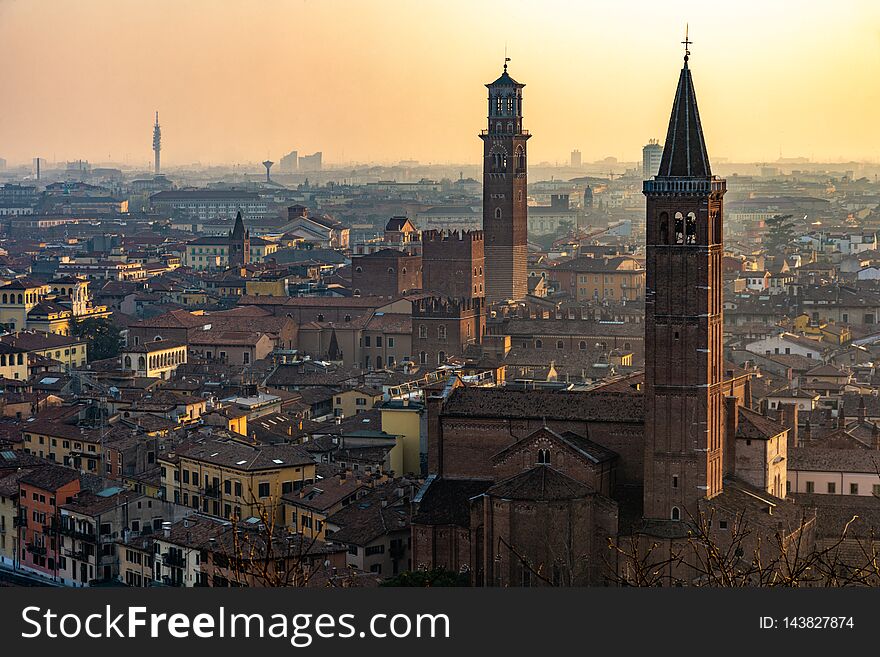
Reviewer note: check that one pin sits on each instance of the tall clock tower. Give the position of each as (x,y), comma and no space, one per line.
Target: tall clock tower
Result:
(684,412)
(505,210)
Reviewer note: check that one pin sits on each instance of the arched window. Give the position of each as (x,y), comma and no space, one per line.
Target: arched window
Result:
(498,127)
(441,358)
(627,346)
(5,299)
(539,344)
(560,344)
(142,363)
(664,228)
(676,514)
(391,270)
(498,213)
(357,292)
(423,332)
(679,228)
(423,358)
(510,126)
(359,270)
(128,362)
(158,338)
(20,299)
(544,457)
(691,228)
(582,345)
(520,159)
(403,270)
(137,341)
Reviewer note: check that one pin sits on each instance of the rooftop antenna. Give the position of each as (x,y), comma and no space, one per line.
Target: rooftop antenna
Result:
(686,43)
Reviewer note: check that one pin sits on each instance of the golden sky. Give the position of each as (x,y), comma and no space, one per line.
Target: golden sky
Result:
(383,80)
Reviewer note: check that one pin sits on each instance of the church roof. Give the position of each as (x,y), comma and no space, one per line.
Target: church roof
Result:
(541,483)
(684,153)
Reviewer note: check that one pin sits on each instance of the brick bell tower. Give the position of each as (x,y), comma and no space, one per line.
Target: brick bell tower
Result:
(505,210)
(684,405)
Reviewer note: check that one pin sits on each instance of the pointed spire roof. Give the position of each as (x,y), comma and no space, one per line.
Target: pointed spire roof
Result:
(684,153)
(238,230)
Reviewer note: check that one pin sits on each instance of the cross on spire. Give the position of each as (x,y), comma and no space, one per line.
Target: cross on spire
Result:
(687,42)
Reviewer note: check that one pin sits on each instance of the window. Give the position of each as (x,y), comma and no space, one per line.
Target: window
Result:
(722,524)
(423,358)
(811,487)
(366,340)
(423,332)
(227,488)
(378,340)
(832,487)
(264,489)
(582,345)
(544,457)
(675,481)
(853,489)
(560,344)
(676,513)
(390,342)
(374,549)
(441,332)
(539,344)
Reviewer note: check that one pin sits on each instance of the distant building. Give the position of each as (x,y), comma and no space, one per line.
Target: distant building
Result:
(554,218)
(652,153)
(311,162)
(575,158)
(289,162)
(217,252)
(209,204)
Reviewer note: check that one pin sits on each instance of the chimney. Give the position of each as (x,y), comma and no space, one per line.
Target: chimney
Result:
(166,529)
(789,417)
(731,424)
(861,411)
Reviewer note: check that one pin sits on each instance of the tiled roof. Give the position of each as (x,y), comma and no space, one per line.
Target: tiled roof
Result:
(550,404)
(540,483)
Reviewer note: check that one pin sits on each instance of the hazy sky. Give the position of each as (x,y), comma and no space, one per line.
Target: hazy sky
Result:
(383,80)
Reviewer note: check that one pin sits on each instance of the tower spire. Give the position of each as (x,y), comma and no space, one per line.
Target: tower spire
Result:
(684,153)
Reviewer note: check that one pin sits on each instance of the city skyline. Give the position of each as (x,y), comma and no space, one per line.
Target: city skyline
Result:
(407,82)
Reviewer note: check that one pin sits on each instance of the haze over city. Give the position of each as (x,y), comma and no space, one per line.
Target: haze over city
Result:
(384,81)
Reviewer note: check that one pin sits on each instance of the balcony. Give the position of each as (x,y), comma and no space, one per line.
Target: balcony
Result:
(37,549)
(78,534)
(175,559)
(212,492)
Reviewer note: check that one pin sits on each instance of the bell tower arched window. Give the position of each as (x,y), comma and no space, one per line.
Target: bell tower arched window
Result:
(664,228)
(544,457)
(691,228)
(679,228)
